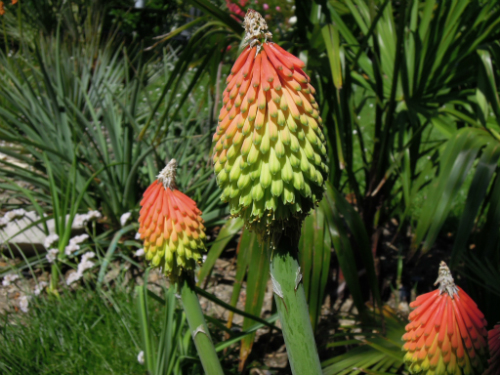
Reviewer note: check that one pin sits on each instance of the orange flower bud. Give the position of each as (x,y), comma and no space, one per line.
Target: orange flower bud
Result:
(2,8)
(171,225)
(446,333)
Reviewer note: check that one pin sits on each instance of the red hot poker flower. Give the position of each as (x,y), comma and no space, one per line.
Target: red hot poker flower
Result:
(446,333)
(269,148)
(494,344)
(171,225)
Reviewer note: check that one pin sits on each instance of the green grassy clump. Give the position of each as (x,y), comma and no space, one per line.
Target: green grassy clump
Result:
(86,332)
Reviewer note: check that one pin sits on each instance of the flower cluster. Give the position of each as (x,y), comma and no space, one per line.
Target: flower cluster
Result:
(171,225)
(81,219)
(74,244)
(494,345)
(7,279)
(11,215)
(2,6)
(235,9)
(50,239)
(269,154)
(52,255)
(23,303)
(40,287)
(447,332)
(84,265)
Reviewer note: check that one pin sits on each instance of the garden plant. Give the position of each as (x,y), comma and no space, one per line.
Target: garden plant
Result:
(325,160)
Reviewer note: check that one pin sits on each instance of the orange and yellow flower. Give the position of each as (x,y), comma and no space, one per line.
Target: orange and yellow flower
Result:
(269,154)
(494,345)
(447,332)
(171,225)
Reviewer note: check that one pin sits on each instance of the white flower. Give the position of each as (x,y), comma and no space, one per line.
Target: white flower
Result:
(140,357)
(73,277)
(292,20)
(93,215)
(71,248)
(49,240)
(124,218)
(52,255)
(40,287)
(78,239)
(88,255)
(79,220)
(73,244)
(139,252)
(137,236)
(11,215)
(7,279)
(85,263)
(23,303)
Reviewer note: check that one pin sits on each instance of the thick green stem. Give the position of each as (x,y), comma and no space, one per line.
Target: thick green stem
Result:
(199,329)
(292,309)
(54,277)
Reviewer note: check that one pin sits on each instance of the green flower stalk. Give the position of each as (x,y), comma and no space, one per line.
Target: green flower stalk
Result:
(173,233)
(270,161)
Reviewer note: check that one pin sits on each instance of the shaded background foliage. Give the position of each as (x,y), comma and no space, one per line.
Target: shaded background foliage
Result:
(408,92)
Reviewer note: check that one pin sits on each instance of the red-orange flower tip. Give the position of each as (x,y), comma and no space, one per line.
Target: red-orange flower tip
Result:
(494,344)
(269,149)
(171,225)
(2,8)
(446,333)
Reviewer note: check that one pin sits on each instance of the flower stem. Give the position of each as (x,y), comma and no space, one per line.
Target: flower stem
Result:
(199,329)
(292,308)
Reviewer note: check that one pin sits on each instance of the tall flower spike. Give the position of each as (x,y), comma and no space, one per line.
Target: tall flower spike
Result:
(171,225)
(494,344)
(447,332)
(269,149)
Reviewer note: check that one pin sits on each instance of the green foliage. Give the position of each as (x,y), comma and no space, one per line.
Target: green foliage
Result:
(78,333)
(408,92)
(377,350)
(314,259)
(165,347)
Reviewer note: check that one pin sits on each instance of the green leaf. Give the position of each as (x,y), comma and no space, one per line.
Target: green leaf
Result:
(257,277)
(332,42)
(477,192)
(227,232)
(456,161)
(314,259)
(343,211)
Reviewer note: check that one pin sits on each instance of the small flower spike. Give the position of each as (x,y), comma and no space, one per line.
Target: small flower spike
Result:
(446,333)
(269,148)
(494,344)
(171,226)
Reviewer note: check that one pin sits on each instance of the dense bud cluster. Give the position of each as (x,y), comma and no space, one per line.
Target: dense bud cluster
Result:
(269,153)
(494,345)
(446,333)
(171,226)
